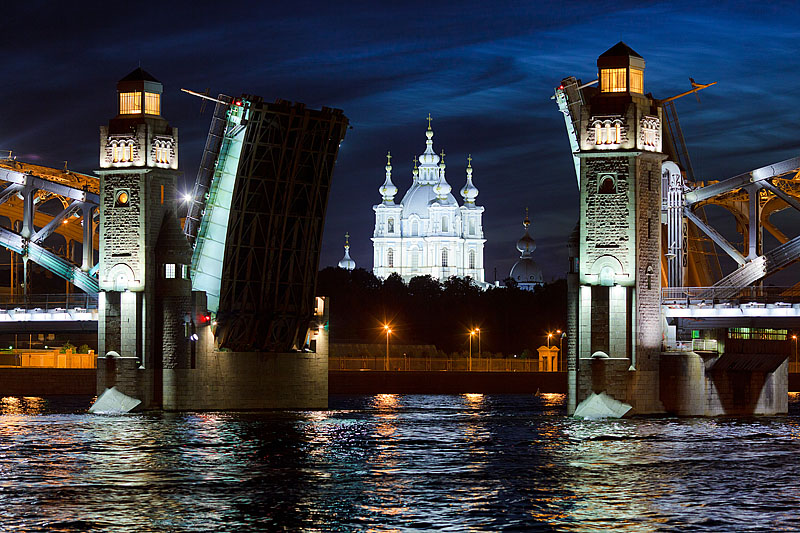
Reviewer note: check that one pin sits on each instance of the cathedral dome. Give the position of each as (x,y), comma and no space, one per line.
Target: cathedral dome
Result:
(526,244)
(526,270)
(420,197)
(388,190)
(469,192)
(346,262)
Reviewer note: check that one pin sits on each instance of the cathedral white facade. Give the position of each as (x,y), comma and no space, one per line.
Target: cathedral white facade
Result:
(428,233)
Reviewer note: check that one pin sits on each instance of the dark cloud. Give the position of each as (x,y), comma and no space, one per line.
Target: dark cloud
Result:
(484,70)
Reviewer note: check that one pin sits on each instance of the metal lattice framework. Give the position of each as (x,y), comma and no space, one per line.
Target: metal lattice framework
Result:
(275,227)
(28,186)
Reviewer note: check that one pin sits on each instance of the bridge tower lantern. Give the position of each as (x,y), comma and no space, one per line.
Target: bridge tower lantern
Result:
(144,258)
(618,329)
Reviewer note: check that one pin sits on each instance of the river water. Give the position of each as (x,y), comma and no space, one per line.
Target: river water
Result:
(394,462)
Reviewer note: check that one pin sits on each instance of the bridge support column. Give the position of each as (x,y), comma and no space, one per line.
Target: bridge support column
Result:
(88,234)
(754,229)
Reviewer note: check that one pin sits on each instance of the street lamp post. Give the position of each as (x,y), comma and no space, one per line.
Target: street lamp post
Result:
(388,332)
(471,334)
(794,338)
(478,330)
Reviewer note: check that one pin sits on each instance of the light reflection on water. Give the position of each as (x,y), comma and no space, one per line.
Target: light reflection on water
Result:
(394,462)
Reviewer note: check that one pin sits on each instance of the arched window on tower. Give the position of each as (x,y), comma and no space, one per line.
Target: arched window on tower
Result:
(390,258)
(472,259)
(606,184)
(414,259)
(444,225)
(472,226)
(390,225)
(444,257)
(414,228)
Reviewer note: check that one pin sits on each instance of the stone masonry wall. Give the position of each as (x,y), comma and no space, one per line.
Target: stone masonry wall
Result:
(605,220)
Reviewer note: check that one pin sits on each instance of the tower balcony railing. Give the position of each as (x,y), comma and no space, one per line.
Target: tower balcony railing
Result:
(730,296)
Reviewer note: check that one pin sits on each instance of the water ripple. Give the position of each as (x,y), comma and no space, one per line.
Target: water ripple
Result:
(393,462)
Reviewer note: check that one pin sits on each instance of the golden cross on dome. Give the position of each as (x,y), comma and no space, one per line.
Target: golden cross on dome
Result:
(429,120)
(469,160)
(415,163)
(347,238)
(388,158)
(442,154)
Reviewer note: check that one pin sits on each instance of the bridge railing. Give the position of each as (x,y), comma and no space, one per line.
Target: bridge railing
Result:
(49,302)
(696,345)
(685,296)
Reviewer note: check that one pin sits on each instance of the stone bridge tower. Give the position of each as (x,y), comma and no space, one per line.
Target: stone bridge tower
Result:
(144,257)
(618,294)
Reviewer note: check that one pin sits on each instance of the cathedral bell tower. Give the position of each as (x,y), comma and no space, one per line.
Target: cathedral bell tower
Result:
(618,298)
(144,258)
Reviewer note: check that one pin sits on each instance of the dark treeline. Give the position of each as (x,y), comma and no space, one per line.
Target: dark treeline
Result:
(425,311)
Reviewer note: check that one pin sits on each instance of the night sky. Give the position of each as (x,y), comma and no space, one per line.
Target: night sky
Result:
(485,71)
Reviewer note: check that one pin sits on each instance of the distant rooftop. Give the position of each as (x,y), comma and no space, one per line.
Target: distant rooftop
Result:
(142,75)
(620,50)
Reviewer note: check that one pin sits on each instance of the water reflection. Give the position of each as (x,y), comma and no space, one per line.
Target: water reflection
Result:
(395,462)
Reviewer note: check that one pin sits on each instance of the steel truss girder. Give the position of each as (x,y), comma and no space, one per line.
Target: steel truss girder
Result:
(715,236)
(742,180)
(29,241)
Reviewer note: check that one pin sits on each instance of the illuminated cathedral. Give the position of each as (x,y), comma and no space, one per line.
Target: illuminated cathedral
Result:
(428,233)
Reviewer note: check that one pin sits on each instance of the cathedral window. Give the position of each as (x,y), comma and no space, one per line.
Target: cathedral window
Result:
(472,227)
(390,258)
(130,103)
(444,257)
(414,228)
(390,225)
(612,80)
(414,259)
(152,103)
(472,259)
(444,225)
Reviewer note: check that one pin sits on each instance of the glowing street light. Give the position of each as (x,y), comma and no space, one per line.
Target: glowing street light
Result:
(794,338)
(471,334)
(388,332)
(186,197)
(478,331)
(549,336)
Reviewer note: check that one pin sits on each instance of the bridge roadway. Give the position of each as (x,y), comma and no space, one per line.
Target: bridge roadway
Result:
(48,312)
(724,307)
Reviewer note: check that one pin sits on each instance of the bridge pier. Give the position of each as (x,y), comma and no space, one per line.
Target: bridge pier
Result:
(629,338)
(692,385)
